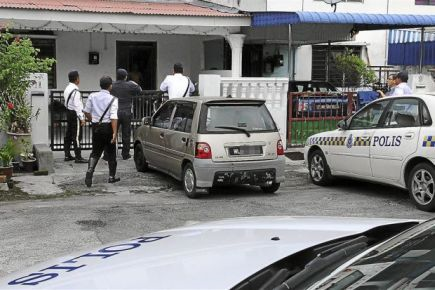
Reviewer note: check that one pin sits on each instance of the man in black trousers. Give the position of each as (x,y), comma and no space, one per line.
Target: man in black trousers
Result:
(102,110)
(125,91)
(75,118)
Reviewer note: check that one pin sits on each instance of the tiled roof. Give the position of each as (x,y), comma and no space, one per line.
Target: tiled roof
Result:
(114,6)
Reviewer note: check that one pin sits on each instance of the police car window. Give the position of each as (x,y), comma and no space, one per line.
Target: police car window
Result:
(427,120)
(162,118)
(183,117)
(402,113)
(368,117)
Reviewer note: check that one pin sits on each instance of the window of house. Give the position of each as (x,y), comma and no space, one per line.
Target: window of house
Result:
(424,2)
(217,55)
(47,49)
(324,56)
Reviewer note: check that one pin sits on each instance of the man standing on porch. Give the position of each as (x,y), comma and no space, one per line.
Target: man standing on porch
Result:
(75,118)
(125,92)
(177,85)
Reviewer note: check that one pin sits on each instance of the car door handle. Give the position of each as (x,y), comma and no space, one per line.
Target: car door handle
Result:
(184,140)
(409,135)
(162,135)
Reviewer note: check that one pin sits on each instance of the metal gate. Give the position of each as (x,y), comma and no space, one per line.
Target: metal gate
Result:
(143,106)
(310,113)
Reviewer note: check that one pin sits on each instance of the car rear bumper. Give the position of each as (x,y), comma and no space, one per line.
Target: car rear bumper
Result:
(209,173)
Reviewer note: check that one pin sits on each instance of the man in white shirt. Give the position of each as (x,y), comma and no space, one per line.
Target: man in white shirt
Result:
(75,118)
(177,85)
(102,110)
(402,87)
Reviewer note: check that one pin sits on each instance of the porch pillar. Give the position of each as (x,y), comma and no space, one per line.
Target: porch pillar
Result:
(236,43)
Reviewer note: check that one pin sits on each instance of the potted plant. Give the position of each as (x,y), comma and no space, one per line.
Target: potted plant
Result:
(18,58)
(26,156)
(7,152)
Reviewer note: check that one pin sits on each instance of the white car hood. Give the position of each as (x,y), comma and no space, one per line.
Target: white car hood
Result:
(213,255)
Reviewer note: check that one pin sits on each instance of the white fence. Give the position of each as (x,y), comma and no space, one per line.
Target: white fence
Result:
(273,90)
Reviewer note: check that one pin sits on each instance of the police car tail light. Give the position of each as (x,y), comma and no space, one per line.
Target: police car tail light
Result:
(203,151)
(279,148)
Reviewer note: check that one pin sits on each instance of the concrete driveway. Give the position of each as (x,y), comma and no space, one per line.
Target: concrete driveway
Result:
(39,229)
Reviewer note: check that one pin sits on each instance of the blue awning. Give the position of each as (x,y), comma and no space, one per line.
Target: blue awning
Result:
(409,53)
(361,21)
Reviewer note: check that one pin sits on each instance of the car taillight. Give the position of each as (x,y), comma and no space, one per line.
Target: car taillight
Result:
(203,151)
(279,148)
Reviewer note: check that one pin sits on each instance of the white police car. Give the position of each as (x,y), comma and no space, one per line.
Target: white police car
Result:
(243,254)
(391,140)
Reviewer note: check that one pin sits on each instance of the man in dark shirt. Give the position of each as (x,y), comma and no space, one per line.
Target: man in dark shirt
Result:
(125,91)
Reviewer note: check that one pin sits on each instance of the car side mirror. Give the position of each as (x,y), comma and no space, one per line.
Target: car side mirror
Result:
(342,125)
(146,121)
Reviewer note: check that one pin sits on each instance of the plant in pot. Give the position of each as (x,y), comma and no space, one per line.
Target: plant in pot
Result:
(7,152)
(18,59)
(26,156)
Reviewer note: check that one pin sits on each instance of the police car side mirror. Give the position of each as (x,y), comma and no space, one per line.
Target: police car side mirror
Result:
(146,121)
(342,125)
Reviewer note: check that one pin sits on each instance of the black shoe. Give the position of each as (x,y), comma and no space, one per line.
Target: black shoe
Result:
(126,157)
(81,160)
(113,179)
(69,158)
(88,179)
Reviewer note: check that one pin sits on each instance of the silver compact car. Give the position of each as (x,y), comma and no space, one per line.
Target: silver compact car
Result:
(206,142)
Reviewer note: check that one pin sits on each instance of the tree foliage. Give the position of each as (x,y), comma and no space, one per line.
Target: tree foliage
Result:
(18,59)
(353,69)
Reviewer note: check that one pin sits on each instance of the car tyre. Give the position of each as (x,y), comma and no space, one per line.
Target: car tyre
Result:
(139,159)
(421,186)
(270,188)
(189,181)
(320,173)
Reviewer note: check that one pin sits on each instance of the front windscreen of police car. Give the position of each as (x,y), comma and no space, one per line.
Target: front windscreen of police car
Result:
(391,140)
(239,254)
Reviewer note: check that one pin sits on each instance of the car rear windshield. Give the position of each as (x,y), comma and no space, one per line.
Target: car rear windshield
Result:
(227,118)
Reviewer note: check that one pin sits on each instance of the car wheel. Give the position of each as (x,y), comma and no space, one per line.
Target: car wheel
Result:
(189,181)
(270,188)
(318,168)
(421,186)
(139,159)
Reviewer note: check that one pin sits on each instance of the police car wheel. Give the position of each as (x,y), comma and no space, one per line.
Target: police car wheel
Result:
(270,188)
(139,159)
(318,168)
(421,186)
(189,181)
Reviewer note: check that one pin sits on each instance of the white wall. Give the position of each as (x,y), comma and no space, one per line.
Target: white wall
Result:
(72,53)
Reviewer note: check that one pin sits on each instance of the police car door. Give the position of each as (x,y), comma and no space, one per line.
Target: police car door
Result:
(352,157)
(396,139)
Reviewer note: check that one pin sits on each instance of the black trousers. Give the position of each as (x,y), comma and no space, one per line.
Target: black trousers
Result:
(73,134)
(124,120)
(101,141)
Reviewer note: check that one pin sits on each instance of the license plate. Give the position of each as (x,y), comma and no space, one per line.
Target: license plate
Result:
(245,150)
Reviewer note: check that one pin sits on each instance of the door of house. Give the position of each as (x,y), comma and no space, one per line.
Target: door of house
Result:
(140,60)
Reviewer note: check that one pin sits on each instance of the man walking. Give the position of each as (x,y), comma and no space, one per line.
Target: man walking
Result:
(101,108)
(177,85)
(125,92)
(402,87)
(75,118)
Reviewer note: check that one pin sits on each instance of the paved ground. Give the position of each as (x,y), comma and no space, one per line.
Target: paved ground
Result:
(36,230)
